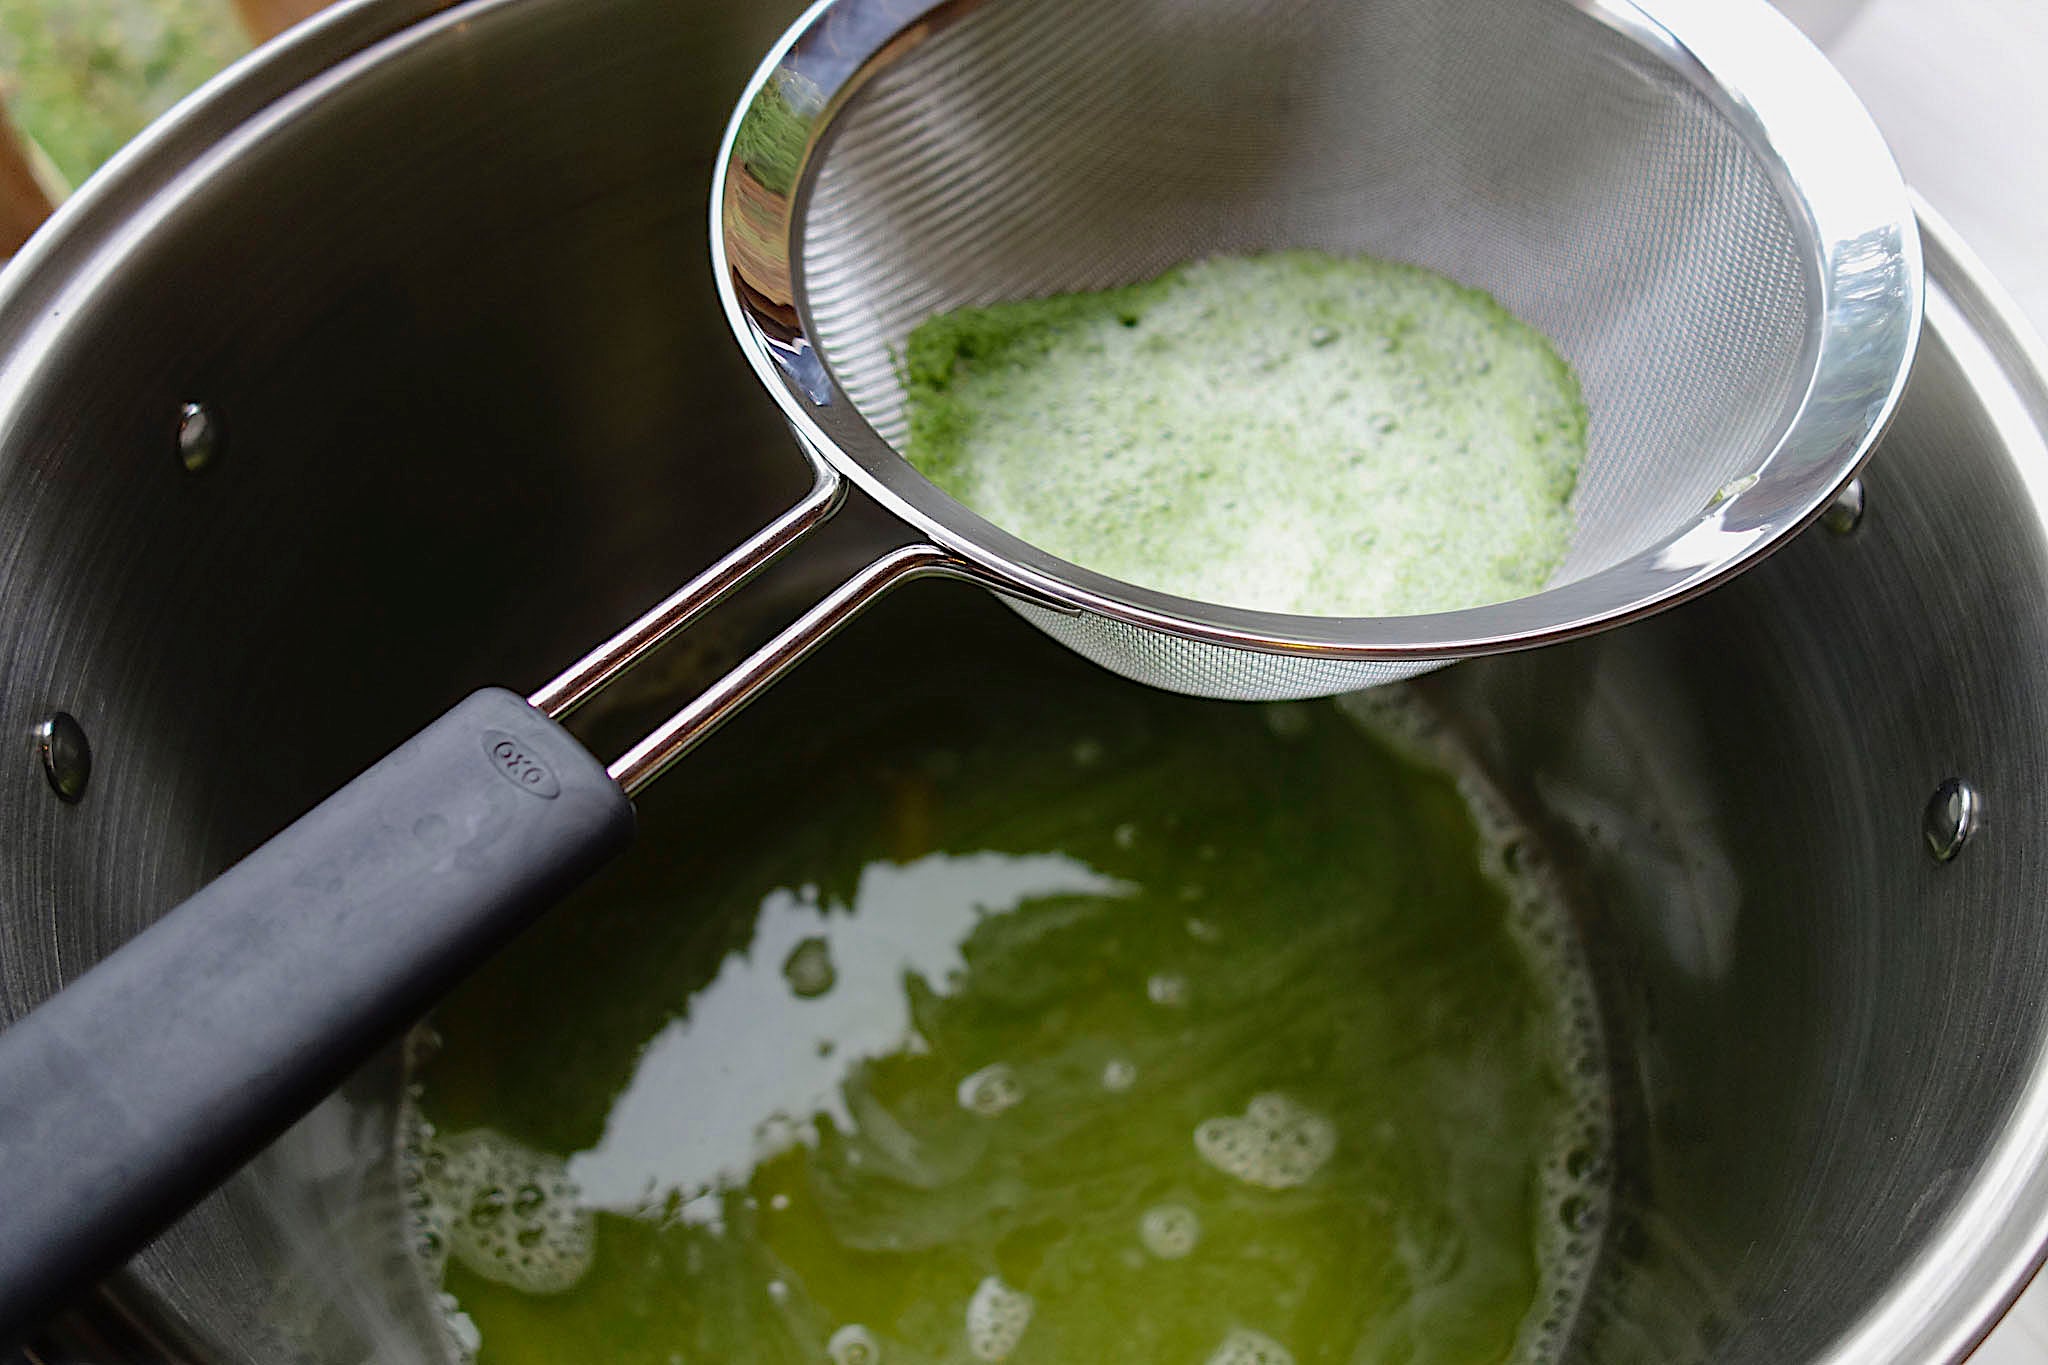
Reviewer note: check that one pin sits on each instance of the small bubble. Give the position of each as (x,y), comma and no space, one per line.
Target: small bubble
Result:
(1125,835)
(1169,989)
(528,1200)
(854,1344)
(1169,1231)
(809,969)
(778,1202)
(1118,1075)
(1191,892)
(777,1290)
(488,1206)
(1087,753)
(991,1090)
(1242,1346)
(996,1318)
(1583,1163)
(1577,1213)
(1203,931)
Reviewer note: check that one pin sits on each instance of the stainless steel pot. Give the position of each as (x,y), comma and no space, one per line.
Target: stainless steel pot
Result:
(467,401)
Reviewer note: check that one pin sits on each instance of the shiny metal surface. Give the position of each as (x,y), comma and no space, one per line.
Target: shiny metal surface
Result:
(669,741)
(1845,513)
(1952,816)
(66,754)
(1686,199)
(660,623)
(485,405)
(200,438)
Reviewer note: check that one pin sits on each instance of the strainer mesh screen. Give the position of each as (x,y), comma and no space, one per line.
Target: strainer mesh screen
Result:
(1201,669)
(1038,146)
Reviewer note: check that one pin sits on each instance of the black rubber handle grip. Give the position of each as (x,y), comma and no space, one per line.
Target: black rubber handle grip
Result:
(145,1083)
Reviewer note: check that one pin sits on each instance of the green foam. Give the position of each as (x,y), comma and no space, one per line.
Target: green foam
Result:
(1298,432)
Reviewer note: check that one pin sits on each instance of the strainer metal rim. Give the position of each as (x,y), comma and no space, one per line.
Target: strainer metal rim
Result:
(1760,72)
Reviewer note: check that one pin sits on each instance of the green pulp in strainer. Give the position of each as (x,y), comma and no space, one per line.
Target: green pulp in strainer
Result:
(1183,1033)
(1298,432)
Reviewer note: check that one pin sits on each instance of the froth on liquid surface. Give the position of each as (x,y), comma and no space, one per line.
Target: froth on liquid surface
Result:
(1332,436)
(1345,1139)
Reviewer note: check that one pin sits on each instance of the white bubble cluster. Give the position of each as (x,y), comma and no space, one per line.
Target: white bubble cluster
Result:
(1169,1231)
(1243,1346)
(1275,1144)
(854,1344)
(991,1090)
(506,1212)
(1575,1180)
(996,1318)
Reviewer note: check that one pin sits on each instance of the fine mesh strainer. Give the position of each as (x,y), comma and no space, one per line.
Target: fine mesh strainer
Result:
(1692,207)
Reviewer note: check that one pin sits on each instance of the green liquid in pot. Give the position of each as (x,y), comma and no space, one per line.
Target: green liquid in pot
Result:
(1189,1033)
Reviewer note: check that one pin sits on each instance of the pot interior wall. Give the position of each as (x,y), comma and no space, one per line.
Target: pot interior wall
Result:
(454,314)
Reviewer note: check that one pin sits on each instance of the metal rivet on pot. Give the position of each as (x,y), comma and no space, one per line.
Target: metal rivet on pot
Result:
(1951,817)
(199,436)
(1845,513)
(66,755)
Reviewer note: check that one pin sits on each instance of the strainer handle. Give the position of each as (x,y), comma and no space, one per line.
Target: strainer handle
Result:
(136,1089)
(139,1087)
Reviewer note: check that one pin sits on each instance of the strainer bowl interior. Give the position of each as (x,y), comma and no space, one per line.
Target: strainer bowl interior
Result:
(1692,207)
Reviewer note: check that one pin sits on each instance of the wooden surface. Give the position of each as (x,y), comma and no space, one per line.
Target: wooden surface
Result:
(23,204)
(268,18)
